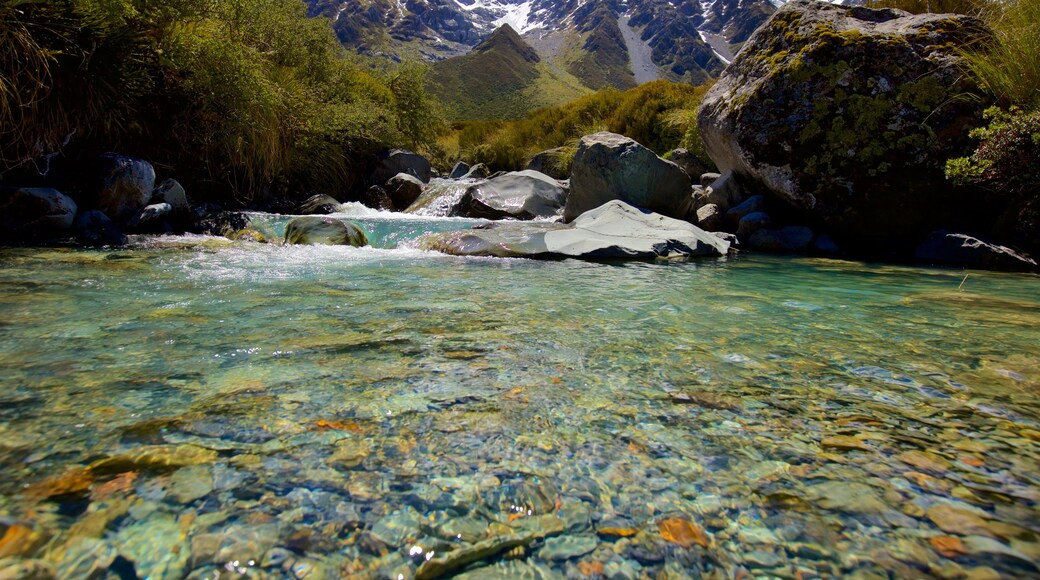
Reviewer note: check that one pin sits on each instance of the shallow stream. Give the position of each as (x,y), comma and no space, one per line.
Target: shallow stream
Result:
(191,406)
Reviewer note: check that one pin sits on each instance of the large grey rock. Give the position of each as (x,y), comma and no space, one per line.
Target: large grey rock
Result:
(319,204)
(522,195)
(172,192)
(725,191)
(613,230)
(953,249)
(28,213)
(609,166)
(786,239)
(126,185)
(323,230)
(848,113)
(94,228)
(401,161)
(460,169)
(404,189)
(688,162)
(555,163)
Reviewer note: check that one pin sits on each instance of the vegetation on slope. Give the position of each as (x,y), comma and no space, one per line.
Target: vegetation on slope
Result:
(660,115)
(237,98)
(502,78)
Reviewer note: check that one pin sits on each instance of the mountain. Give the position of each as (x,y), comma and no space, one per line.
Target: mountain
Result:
(501,78)
(617,43)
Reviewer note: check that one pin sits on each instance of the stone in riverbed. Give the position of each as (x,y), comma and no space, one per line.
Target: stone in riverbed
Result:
(850,114)
(172,192)
(324,230)
(785,239)
(34,213)
(555,163)
(319,204)
(460,169)
(567,547)
(478,171)
(688,162)
(609,166)
(709,217)
(522,195)
(126,185)
(397,161)
(751,223)
(376,197)
(614,230)
(404,189)
(151,219)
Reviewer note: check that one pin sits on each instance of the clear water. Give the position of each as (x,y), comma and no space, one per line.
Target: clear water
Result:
(193,406)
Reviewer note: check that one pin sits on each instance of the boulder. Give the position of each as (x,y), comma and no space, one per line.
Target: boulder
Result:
(478,171)
(688,162)
(749,205)
(94,228)
(849,113)
(555,163)
(522,195)
(725,192)
(460,169)
(613,230)
(212,220)
(709,217)
(709,178)
(377,198)
(152,219)
(323,230)
(28,213)
(786,239)
(753,222)
(401,161)
(608,166)
(319,204)
(404,189)
(126,185)
(954,249)
(172,192)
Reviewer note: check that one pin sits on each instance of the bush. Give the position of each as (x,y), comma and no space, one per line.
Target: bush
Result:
(238,97)
(1008,156)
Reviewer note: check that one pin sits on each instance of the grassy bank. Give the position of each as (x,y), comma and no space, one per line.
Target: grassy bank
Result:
(239,99)
(660,115)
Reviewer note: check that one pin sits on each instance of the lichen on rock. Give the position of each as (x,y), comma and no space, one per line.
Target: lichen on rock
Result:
(849,113)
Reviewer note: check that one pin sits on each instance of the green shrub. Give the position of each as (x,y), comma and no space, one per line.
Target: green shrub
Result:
(1008,156)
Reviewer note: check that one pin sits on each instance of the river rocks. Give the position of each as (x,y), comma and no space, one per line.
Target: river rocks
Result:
(126,185)
(614,230)
(522,195)
(319,204)
(748,206)
(848,113)
(401,161)
(404,189)
(323,230)
(478,171)
(151,219)
(785,239)
(725,191)
(172,192)
(689,163)
(458,170)
(34,213)
(376,197)
(555,163)
(949,248)
(608,166)
(709,217)
(751,223)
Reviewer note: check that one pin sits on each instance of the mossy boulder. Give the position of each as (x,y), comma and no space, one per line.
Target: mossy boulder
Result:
(323,230)
(849,113)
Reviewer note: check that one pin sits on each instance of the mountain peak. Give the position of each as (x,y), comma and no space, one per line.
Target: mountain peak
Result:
(505,38)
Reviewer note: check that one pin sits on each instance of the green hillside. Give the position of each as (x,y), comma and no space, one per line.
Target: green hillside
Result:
(502,78)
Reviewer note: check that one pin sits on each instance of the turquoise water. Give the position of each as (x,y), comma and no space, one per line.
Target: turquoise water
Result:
(191,406)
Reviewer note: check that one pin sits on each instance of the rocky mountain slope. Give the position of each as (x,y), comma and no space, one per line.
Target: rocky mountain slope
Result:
(615,43)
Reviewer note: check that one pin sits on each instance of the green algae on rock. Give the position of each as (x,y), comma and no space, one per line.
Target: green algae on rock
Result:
(849,113)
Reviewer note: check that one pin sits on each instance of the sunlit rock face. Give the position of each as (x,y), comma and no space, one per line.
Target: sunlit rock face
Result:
(848,113)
